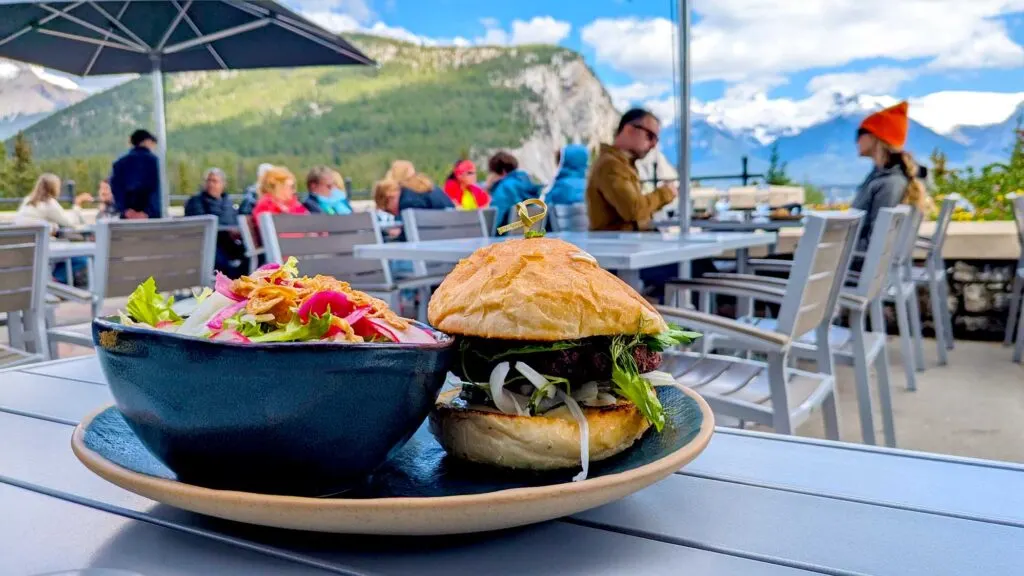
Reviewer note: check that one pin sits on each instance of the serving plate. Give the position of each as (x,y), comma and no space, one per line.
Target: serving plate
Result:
(420,490)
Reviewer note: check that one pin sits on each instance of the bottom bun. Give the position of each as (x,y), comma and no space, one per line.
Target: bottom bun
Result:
(547,442)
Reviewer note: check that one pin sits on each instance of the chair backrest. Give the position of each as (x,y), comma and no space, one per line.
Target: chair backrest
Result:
(570,217)
(177,252)
(324,244)
(942,225)
(490,215)
(1018,215)
(252,250)
(908,240)
(24,271)
(704,198)
(783,195)
(424,225)
(819,268)
(883,246)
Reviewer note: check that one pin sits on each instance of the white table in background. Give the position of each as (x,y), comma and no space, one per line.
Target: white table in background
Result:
(626,253)
(64,251)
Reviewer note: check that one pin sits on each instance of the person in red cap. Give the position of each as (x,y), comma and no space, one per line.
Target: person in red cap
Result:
(462,189)
(893,179)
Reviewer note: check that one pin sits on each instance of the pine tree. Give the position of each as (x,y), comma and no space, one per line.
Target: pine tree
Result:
(776,174)
(5,186)
(22,170)
(184,180)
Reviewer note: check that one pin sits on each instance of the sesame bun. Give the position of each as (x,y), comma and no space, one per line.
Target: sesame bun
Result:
(539,289)
(547,442)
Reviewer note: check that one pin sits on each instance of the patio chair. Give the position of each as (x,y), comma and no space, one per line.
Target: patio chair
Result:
(178,253)
(861,295)
(24,271)
(743,197)
(423,225)
(771,392)
(253,251)
(1017,290)
(570,218)
(324,244)
(933,275)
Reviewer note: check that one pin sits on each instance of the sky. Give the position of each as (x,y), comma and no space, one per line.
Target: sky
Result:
(767,63)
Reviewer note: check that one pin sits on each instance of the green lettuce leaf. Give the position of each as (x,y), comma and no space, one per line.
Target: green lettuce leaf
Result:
(296,331)
(673,336)
(529,349)
(145,305)
(249,328)
(639,391)
(291,266)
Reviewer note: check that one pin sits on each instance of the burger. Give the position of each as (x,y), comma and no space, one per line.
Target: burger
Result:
(556,360)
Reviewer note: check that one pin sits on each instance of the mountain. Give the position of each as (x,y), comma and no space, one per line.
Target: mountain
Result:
(425,104)
(995,140)
(28,94)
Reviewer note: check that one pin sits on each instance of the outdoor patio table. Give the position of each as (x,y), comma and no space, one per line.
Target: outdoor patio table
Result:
(751,504)
(625,252)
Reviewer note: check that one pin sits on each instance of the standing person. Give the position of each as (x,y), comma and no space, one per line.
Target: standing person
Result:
(570,183)
(252,192)
(277,195)
(323,195)
(615,199)
(893,179)
(212,199)
(462,189)
(135,179)
(509,186)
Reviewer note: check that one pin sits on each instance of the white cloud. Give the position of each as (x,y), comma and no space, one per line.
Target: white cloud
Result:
(359,10)
(540,30)
(625,96)
(739,39)
(876,80)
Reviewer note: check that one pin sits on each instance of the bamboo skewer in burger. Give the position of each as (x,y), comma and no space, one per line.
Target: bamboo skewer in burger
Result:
(556,357)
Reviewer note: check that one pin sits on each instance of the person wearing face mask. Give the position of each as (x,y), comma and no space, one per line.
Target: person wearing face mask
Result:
(325,196)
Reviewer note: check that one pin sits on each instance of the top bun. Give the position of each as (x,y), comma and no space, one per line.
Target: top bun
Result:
(540,289)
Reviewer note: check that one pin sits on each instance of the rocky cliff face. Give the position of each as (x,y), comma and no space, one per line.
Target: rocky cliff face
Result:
(28,94)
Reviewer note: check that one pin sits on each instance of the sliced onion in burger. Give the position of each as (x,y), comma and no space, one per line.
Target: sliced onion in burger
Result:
(503,399)
(536,378)
(581,419)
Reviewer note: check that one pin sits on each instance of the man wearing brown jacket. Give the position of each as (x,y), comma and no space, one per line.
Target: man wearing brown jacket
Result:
(615,200)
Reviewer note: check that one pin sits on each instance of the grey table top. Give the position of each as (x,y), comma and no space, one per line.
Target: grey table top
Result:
(613,250)
(751,504)
(746,226)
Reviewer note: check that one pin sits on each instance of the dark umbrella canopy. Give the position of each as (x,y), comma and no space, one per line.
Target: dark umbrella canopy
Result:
(101,37)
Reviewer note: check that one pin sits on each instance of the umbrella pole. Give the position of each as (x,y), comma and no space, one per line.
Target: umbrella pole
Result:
(160,125)
(684,117)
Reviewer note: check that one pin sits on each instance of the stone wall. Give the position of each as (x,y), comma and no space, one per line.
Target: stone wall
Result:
(979,296)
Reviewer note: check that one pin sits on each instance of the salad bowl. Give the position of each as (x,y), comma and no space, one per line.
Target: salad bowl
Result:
(305,418)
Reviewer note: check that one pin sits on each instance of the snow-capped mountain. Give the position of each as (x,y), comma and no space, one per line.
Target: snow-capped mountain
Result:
(30,93)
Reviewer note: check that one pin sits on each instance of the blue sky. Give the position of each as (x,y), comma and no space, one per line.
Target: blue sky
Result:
(754,61)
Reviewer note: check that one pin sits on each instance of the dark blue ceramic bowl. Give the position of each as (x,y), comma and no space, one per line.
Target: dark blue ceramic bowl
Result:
(295,418)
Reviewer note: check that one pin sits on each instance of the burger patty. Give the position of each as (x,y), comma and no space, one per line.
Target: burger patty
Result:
(589,360)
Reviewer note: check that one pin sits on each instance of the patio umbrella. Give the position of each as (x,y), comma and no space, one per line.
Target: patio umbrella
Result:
(101,37)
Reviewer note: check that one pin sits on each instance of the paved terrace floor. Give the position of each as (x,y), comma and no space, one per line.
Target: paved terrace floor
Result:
(972,407)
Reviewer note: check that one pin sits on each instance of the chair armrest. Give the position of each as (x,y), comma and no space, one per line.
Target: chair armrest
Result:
(759,291)
(65,292)
(769,265)
(732,277)
(746,335)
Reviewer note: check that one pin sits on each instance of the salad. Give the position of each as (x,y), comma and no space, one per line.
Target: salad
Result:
(275,304)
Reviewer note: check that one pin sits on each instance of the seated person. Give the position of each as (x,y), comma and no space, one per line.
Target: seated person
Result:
(462,189)
(42,206)
(107,209)
(509,186)
(324,194)
(212,200)
(570,183)
(277,195)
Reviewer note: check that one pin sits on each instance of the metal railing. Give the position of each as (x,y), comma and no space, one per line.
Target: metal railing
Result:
(744,176)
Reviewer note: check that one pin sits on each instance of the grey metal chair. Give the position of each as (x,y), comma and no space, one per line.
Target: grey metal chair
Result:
(177,252)
(771,392)
(570,218)
(861,295)
(324,244)
(24,272)
(252,250)
(933,275)
(1017,290)
(423,225)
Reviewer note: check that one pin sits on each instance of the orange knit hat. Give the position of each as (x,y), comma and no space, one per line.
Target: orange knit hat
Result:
(889,125)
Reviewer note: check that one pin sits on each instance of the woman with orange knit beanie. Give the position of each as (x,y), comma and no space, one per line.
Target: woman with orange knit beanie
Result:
(893,180)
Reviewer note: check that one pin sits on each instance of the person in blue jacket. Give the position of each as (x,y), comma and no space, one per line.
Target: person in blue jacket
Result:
(508,186)
(570,183)
(135,179)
